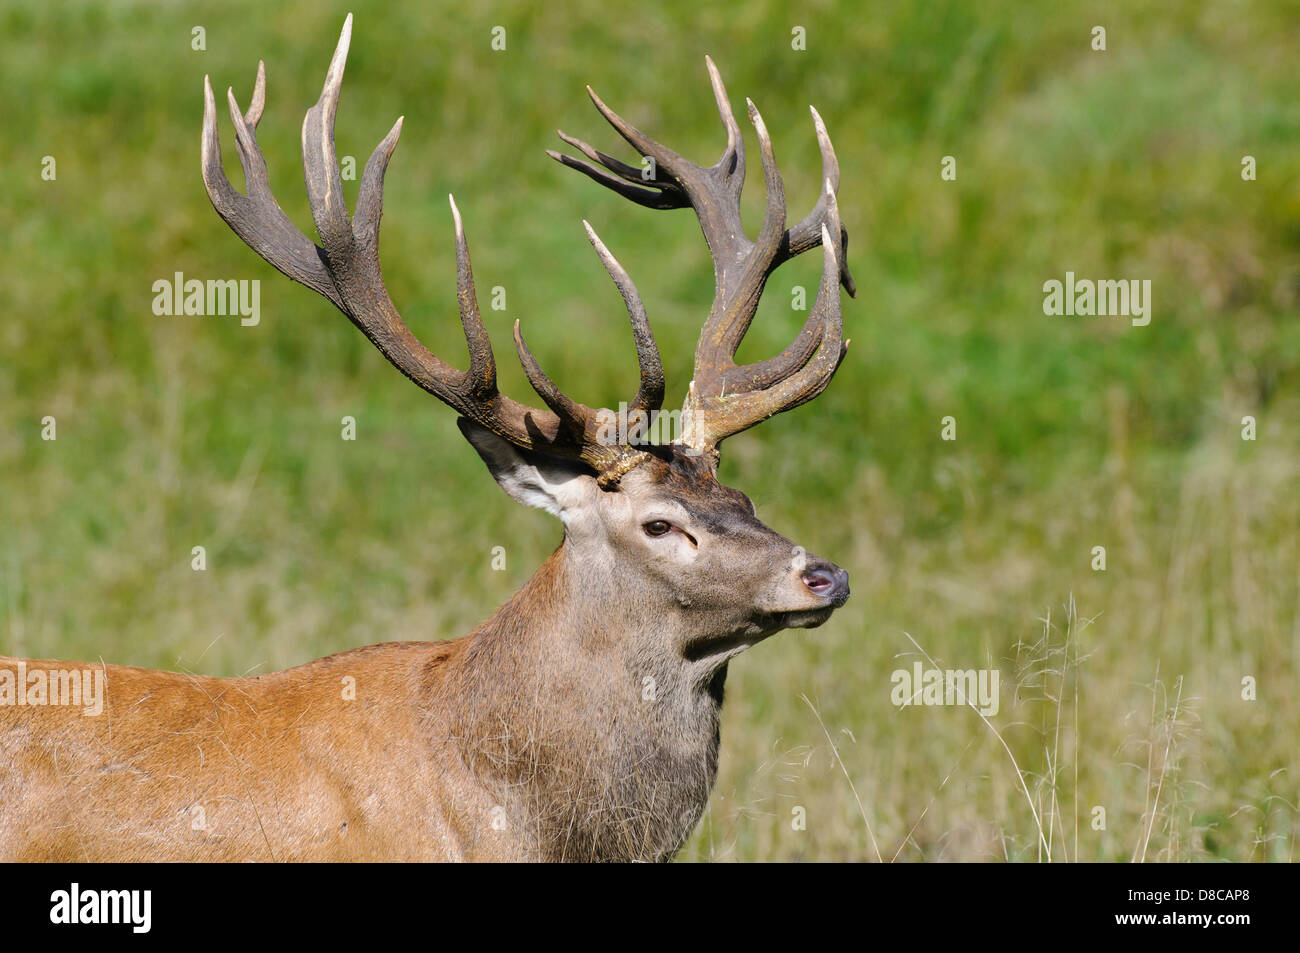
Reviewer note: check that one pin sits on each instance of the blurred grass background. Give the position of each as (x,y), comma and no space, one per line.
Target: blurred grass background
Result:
(1121,689)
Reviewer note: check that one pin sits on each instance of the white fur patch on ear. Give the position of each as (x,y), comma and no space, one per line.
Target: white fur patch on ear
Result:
(534,479)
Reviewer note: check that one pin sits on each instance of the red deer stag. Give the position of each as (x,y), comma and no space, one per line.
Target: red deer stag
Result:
(534,737)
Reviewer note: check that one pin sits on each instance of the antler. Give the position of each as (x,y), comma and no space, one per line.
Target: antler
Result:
(345,269)
(726,398)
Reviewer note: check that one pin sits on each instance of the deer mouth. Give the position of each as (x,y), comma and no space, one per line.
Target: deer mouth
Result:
(828,587)
(806,618)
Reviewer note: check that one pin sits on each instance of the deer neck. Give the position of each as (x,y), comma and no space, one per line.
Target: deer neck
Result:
(595,746)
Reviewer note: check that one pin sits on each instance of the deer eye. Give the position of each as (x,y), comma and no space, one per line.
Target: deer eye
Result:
(657,527)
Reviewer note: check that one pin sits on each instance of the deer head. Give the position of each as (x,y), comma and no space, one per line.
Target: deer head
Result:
(648,525)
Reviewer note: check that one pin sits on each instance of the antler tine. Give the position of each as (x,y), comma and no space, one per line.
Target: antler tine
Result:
(807,234)
(668,196)
(650,395)
(573,415)
(580,419)
(345,270)
(324,180)
(482,363)
(599,445)
(732,161)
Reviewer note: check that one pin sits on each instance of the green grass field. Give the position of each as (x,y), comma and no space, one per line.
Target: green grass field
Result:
(1121,689)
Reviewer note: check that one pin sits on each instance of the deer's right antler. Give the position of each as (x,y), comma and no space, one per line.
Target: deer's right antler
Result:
(345,270)
(726,398)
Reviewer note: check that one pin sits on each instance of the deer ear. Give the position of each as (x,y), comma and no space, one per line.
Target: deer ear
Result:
(533,478)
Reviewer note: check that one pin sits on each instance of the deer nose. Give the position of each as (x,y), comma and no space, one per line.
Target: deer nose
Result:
(828,581)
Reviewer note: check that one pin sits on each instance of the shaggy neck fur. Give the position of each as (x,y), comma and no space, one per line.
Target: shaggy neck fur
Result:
(596,752)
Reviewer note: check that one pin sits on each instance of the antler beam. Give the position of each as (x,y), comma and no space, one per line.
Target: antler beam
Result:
(725,398)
